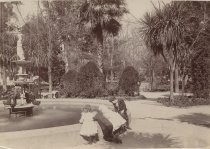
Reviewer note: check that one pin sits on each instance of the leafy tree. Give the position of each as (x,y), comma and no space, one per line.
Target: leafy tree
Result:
(195,41)
(199,47)
(112,58)
(177,33)
(35,40)
(35,46)
(7,40)
(165,31)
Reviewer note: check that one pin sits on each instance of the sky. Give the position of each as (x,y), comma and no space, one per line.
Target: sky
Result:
(137,9)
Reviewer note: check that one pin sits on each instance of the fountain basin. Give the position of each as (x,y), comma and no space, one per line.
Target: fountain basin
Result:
(44,116)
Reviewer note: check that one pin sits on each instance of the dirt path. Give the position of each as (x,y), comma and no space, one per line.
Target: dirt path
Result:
(153,126)
(156,126)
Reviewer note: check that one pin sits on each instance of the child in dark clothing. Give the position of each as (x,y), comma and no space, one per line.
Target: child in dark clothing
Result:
(110,133)
(106,126)
(120,107)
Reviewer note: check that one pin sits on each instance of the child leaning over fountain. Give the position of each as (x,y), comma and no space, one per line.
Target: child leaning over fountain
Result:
(89,129)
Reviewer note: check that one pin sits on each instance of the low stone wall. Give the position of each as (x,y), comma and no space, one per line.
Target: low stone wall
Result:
(76,101)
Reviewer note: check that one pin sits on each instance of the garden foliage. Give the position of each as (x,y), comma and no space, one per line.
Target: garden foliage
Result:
(129,81)
(69,84)
(200,76)
(90,81)
(85,83)
(183,101)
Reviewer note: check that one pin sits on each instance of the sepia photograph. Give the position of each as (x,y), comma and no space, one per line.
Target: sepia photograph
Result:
(104,74)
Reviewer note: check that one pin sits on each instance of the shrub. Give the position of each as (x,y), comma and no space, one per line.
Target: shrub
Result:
(129,81)
(112,88)
(184,101)
(113,92)
(90,80)
(69,84)
(92,93)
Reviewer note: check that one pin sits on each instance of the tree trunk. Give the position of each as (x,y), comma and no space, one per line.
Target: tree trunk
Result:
(153,86)
(111,59)
(183,85)
(4,78)
(50,63)
(171,84)
(65,55)
(99,59)
(176,79)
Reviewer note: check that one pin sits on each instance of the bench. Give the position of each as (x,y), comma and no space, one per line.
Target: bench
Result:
(48,94)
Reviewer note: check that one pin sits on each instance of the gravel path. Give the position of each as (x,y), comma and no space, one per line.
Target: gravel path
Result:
(153,126)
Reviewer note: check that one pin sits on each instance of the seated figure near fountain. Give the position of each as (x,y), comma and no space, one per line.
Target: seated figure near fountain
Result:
(30,97)
(11,97)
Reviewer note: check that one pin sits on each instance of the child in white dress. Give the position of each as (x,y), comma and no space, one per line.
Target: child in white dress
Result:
(89,129)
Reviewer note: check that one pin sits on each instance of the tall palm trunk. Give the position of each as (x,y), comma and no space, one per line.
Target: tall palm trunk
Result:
(172,68)
(171,84)
(49,55)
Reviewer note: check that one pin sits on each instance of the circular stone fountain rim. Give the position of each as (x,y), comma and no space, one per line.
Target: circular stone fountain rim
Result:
(75,101)
(53,130)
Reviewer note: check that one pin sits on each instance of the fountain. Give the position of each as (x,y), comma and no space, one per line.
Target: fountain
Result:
(22,81)
(22,77)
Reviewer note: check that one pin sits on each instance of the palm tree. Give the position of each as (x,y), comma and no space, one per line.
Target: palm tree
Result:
(101,17)
(163,32)
(7,40)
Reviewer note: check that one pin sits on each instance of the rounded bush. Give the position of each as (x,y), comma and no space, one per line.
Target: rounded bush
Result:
(69,84)
(90,80)
(129,81)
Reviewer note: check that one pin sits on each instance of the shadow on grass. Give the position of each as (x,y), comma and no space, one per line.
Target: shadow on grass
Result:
(146,140)
(196,119)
